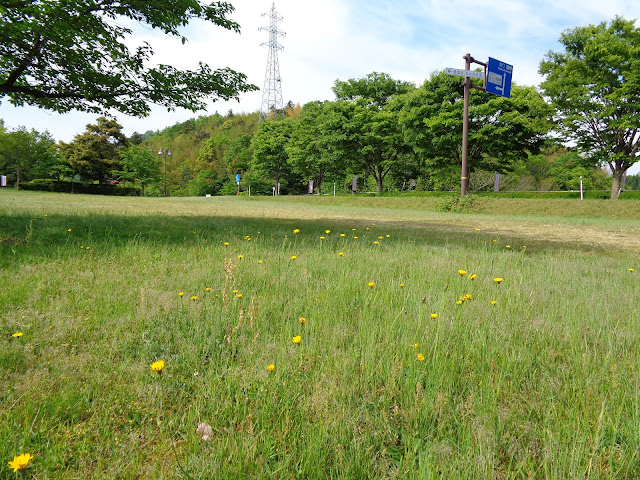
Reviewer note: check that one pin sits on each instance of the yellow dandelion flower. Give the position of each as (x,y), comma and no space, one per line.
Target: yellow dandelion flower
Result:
(260,261)
(632,270)
(459,302)
(494,241)
(293,257)
(367,228)
(415,345)
(355,238)
(157,366)
(380,237)
(327,231)
(472,276)
(342,234)
(420,357)
(493,302)
(498,280)
(20,462)
(194,297)
(226,244)
(17,334)
(376,242)
(507,246)
(468,296)
(371,284)
(208,289)
(353,229)
(271,368)
(402,285)
(322,238)
(434,316)
(302,320)
(240,257)
(238,295)
(297,339)
(234,291)
(68,230)
(462,273)
(296,230)
(477,229)
(181,294)
(524,247)
(388,236)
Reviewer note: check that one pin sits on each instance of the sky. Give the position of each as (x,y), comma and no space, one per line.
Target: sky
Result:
(333,40)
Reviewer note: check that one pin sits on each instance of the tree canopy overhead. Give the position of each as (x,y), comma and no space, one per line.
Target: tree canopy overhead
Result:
(594,84)
(65,55)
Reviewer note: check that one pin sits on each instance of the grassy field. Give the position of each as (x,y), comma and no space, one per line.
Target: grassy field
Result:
(406,368)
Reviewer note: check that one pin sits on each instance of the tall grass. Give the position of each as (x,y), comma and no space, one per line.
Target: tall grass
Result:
(543,384)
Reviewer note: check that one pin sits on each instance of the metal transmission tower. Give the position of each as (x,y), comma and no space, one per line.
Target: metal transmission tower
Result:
(272,91)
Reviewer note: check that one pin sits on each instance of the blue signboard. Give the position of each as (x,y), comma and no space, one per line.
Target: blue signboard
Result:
(237,178)
(499,78)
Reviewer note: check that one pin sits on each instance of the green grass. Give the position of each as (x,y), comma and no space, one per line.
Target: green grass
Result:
(542,385)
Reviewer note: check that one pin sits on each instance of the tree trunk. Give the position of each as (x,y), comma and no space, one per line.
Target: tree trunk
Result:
(617,183)
(319,185)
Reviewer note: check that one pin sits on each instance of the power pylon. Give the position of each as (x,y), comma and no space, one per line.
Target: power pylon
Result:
(272,91)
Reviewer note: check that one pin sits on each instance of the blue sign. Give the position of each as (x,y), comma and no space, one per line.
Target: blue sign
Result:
(499,78)
(237,178)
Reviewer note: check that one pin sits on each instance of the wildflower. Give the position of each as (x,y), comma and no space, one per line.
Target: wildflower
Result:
(271,367)
(632,270)
(322,238)
(415,345)
(507,246)
(238,295)
(226,244)
(367,228)
(240,257)
(402,285)
(297,339)
(260,261)
(462,273)
(472,276)
(355,238)
(327,231)
(388,236)
(459,302)
(376,242)
(494,241)
(477,229)
(380,237)
(181,294)
(420,357)
(371,284)
(302,320)
(20,462)
(524,247)
(208,289)
(157,366)
(493,302)
(194,297)
(296,230)
(293,257)
(498,279)
(68,230)
(434,316)
(234,291)
(340,254)
(342,234)
(17,334)
(353,229)
(468,296)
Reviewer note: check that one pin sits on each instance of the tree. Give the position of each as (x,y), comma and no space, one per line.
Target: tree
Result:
(595,86)
(65,55)
(94,154)
(311,150)
(269,144)
(372,135)
(27,153)
(500,129)
(140,164)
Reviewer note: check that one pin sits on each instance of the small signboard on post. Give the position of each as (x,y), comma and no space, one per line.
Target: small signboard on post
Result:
(464,73)
(499,78)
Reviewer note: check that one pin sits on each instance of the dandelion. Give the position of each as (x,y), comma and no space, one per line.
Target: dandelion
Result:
(226,244)
(632,270)
(238,295)
(293,257)
(376,242)
(494,241)
(388,236)
(434,316)
(208,289)
(302,320)
(17,334)
(181,294)
(296,230)
(380,237)
(240,257)
(462,273)
(524,247)
(234,291)
(327,232)
(260,261)
(371,284)
(157,366)
(271,368)
(402,285)
(459,302)
(342,235)
(507,246)
(493,302)
(468,296)
(340,254)
(472,276)
(322,238)
(355,238)
(420,357)
(353,229)
(297,339)
(477,229)
(367,228)
(194,297)
(20,462)
(415,345)
(498,280)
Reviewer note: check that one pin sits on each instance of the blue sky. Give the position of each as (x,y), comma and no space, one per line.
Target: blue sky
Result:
(340,39)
